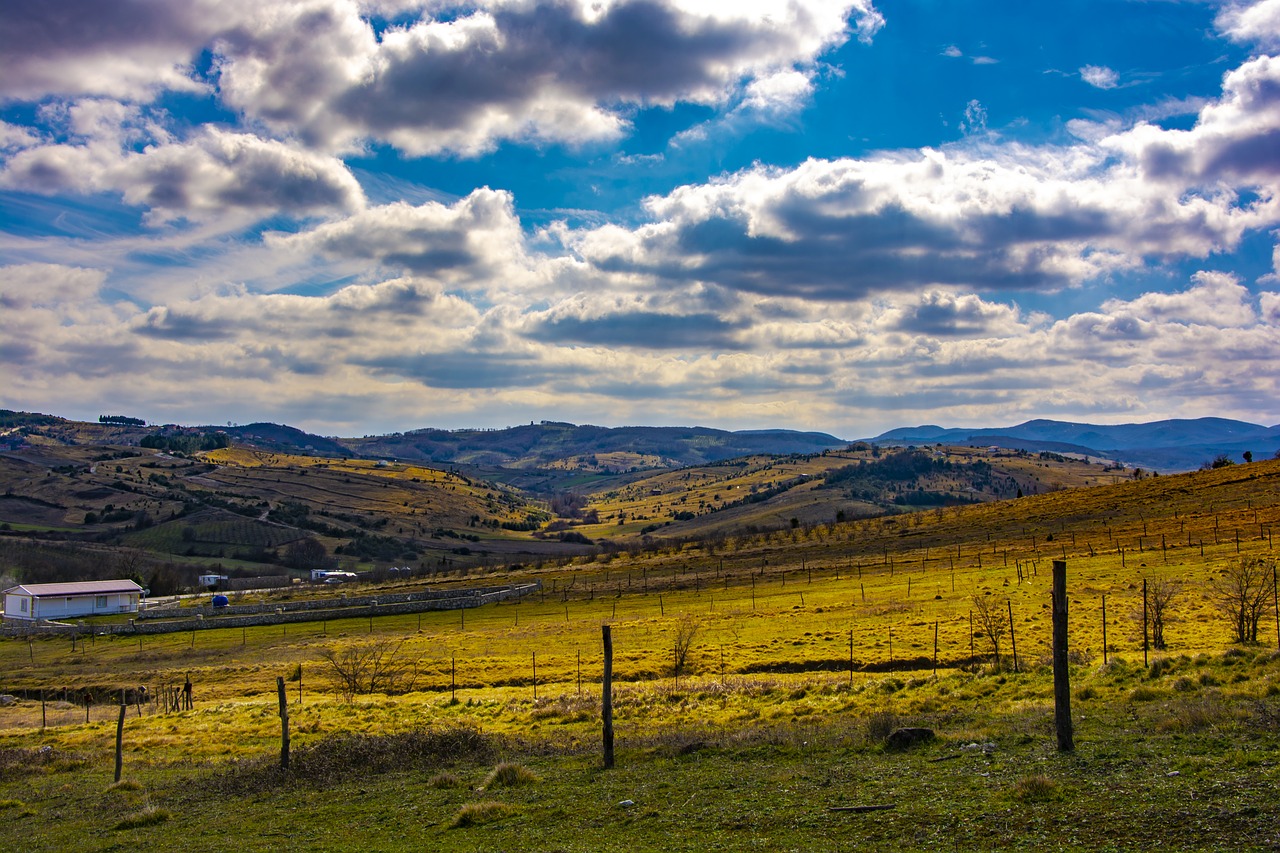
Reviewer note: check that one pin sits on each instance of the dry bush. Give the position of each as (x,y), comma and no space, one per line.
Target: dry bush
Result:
(508,775)
(1035,789)
(880,724)
(15,763)
(478,814)
(686,632)
(1195,715)
(991,620)
(1242,595)
(346,756)
(377,667)
(445,780)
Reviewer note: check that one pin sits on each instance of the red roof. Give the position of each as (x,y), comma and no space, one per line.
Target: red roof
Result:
(53,590)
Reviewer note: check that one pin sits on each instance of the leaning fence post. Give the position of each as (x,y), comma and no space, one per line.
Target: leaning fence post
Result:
(284,723)
(1061,676)
(1013,639)
(120,737)
(1144,622)
(606,699)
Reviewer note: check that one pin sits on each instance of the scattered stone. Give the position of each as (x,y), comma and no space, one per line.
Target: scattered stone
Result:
(987,748)
(626,804)
(6,700)
(909,736)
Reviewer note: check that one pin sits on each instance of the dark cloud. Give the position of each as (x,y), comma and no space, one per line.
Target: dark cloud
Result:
(94,47)
(17,352)
(944,316)
(644,329)
(636,51)
(1254,156)
(173,324)
(464,370)
(849,258)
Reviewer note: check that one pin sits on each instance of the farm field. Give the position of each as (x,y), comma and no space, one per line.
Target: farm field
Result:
(766,727)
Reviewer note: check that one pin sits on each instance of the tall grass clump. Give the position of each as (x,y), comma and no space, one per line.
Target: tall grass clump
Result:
(880,724)
(1035,789)
(150,816)
(510,775)
(478,814)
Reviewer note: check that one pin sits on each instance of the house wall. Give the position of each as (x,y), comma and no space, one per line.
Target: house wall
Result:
(63,607)
(17,607)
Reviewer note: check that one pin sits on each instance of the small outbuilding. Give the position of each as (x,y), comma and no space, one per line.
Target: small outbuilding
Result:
(35,601)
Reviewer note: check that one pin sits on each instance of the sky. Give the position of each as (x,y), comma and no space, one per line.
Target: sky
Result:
(839,215)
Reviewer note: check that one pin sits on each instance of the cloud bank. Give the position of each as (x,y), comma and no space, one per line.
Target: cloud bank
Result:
(843,293)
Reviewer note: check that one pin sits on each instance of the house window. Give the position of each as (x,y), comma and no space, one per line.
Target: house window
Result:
(100,601)
(24,605)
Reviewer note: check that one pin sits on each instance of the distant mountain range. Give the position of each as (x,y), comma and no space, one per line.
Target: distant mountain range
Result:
(1167,446)
(1170,445)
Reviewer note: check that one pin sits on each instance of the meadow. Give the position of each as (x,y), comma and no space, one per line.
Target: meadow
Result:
(756,679)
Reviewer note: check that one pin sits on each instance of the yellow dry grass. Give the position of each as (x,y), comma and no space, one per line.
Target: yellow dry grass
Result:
(778,618)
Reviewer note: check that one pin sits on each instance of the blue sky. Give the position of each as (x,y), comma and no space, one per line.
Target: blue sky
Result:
(846,216)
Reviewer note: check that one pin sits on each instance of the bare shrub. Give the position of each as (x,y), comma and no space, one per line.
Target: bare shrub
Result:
(370,668)
(686,632)
(1161,598)
(993,621)
(1242,594)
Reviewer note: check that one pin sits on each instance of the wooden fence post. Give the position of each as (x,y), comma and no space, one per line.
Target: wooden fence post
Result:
(1104,629)
(606,699)
(284,723)
(1013,639)
(1061,676)
(1144,622)
(850,657)
(120,737)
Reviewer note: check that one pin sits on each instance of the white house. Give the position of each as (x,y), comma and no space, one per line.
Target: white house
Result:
(35,601)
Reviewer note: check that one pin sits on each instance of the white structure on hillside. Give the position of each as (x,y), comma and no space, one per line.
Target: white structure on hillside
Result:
(34,601)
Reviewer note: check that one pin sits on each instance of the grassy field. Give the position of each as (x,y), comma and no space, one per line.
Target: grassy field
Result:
(767,728)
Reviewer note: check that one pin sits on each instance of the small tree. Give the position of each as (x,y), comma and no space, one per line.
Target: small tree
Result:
(993,622)
(686,631)
(1242,594)
(306,553)
(1161,596)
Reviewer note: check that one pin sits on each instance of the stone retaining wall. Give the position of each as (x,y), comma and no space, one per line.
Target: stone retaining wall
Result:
(280,614)
(209,611)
